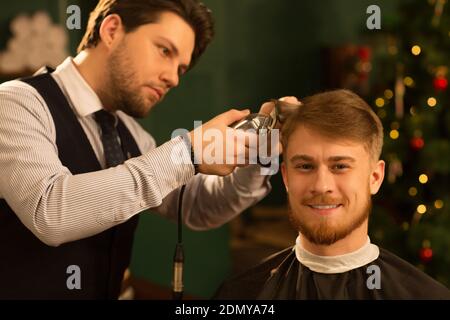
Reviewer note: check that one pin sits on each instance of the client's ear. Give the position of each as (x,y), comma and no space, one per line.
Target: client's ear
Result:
(376,177)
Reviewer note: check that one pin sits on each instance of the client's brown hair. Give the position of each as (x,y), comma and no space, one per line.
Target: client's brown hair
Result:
(338,114)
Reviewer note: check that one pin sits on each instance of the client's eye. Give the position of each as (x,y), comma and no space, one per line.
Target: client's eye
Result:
(304,166)
(340,166)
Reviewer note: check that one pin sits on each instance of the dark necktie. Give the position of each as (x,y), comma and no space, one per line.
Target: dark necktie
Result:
(110,138)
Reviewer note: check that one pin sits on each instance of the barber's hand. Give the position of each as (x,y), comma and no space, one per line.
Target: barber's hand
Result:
(268,107)
(212,154)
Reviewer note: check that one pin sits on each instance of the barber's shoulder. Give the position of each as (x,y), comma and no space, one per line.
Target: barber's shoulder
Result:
(20,92)
(16,89)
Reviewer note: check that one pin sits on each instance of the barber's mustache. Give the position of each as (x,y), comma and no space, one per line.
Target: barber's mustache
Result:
(322,199)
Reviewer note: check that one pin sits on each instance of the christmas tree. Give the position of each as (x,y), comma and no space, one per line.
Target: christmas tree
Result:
(409,91)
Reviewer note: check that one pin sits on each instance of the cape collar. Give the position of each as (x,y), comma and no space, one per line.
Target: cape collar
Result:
(337,264)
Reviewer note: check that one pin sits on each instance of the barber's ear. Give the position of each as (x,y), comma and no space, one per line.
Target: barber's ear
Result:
(111,30)
(376,177)
(284,175)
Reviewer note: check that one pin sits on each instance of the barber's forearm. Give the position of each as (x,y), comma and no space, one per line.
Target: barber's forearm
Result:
(211,201)
(64,207)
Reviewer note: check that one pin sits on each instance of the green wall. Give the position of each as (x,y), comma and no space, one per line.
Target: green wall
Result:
(263,49)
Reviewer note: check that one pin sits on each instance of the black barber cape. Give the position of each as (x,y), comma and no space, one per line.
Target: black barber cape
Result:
(382,276)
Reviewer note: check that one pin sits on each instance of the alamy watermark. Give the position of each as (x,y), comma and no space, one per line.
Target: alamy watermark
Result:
(73,281)
(373,22)
(374,280)
(73,21)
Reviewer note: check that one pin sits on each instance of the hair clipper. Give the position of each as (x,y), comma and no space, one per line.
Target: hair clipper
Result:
(260,121)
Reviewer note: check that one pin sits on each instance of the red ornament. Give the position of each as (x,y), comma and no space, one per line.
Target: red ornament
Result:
(364,53)
(363,76)
(417,143)
(426,254)
(440,83)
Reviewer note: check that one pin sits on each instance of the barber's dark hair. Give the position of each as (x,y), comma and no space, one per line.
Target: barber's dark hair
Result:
(135,13)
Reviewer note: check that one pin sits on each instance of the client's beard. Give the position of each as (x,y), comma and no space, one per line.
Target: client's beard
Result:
(322,233)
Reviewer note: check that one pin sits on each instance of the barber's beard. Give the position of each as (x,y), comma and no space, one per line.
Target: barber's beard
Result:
(322,231)
(120,89)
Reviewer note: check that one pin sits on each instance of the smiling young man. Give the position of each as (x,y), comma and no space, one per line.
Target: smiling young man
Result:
(77,169)
(331,169)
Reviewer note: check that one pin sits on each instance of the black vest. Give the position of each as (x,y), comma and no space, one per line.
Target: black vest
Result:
(29,269)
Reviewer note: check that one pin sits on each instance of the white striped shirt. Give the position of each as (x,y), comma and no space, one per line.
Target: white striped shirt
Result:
(59,207)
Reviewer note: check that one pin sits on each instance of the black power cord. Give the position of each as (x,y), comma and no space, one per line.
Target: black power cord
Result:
(178,257)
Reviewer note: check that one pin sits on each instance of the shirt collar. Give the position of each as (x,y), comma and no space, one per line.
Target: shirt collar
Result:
(337,264)
(84,100)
